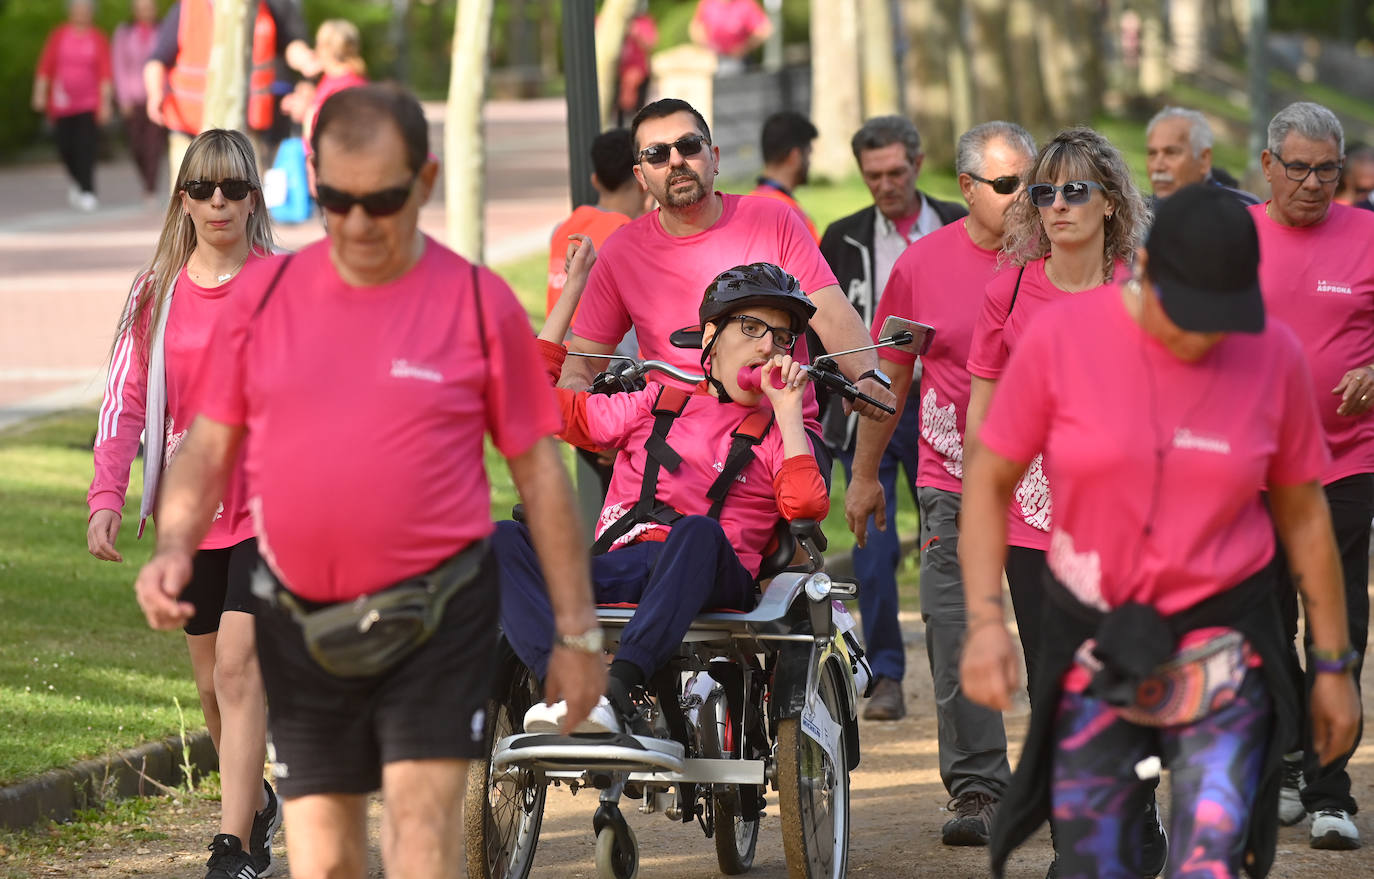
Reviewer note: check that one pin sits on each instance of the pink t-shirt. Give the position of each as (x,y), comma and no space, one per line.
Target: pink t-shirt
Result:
(730,24)
(132,47)
(1000,325)
(1157,473)
(654,281)
(186,343)
(702,436)
(329,85)
(366,409)
(939,280)
(1320,281)
(76,63)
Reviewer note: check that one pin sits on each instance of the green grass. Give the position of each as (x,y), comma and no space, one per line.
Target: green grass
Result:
(81,674)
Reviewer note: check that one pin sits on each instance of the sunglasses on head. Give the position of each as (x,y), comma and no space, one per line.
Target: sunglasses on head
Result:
(1004,185)
(687,146)
(1076,192)
(233,189)
(382,203)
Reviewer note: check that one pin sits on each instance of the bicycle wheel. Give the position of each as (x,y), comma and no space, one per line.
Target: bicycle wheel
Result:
(736,834)
(813,793)
(502,815)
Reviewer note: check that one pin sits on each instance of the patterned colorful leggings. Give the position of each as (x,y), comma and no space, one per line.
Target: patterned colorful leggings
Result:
(1214,772)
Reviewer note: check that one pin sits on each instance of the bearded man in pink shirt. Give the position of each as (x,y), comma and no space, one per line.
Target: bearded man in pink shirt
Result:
(359,378)
(1317,274)
(650,272)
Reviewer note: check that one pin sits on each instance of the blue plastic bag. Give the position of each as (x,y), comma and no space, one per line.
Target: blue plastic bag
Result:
(285,188)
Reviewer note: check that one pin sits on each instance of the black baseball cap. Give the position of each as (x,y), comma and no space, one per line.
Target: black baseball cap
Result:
(1204,261)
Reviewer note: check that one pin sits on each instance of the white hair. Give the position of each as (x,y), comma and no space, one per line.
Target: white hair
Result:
(968,155)
(1199,130)
(1312,121)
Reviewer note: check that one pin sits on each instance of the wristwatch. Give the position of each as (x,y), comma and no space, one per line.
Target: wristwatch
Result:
(878,376)
(1334,662)
(591,641)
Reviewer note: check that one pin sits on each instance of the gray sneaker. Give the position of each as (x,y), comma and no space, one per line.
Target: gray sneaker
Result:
(972,821)
(1291,809)
(1333,830)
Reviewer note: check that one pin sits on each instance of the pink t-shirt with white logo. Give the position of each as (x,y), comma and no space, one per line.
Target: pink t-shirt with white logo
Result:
(654,281)
(1157,474)
(1000,326)
(1320,281)
(366,409)
(186,345)
(939,281)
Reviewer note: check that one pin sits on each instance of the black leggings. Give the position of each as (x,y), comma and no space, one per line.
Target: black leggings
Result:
(76,144)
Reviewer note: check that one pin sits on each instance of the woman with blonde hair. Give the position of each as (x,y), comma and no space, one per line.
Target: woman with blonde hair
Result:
(338,46)
(215,223)
(1075,228)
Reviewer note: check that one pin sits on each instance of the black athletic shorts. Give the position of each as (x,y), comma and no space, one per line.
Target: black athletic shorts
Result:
(220,581)
(332,735)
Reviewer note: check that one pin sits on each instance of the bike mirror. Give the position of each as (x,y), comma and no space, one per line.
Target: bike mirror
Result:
(907,336)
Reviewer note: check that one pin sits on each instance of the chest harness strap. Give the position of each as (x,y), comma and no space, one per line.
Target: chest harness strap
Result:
(670,404)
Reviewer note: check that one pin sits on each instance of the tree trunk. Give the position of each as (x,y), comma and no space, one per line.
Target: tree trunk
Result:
(611,25)
(1155,75)
(1188,35)
(962,113)
(835,94)
(1023,51)
(880,90)
(927,76)
(1063,63)
(226,80)
(989,60)
(464,148)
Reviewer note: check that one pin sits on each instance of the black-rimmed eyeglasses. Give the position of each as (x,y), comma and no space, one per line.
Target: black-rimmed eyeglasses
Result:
(1298,172)
(754,328)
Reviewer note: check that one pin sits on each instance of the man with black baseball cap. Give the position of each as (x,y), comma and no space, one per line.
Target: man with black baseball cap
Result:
(1162,569)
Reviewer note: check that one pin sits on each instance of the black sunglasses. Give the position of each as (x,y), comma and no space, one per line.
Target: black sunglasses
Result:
(382,203)
(233,189)
(1004,185)
(687,146)
(1076,192)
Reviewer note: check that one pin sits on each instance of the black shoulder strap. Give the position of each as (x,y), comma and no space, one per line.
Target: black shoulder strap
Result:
(481,324)
(667,407)
(271,288)
(1015,290)
(742,442)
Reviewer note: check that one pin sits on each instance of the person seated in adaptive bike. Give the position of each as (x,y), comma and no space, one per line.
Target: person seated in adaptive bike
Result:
(699,484)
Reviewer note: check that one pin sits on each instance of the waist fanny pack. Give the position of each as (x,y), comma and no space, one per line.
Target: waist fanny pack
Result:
(1189,686)
(368,635)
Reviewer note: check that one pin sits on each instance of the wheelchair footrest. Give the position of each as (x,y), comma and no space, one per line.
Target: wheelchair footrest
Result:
(618,752)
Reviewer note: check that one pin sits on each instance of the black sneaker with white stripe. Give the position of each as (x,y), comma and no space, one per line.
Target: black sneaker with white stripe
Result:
(265,825)
(228,860)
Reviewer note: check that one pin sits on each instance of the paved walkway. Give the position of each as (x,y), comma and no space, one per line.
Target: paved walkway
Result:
(64,275)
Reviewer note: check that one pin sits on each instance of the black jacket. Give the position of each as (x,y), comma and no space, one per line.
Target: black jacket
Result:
(848,248)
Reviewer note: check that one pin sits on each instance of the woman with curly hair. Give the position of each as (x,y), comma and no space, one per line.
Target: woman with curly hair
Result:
(1076,227)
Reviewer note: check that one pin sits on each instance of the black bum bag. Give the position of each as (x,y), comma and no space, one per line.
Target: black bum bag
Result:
(368,635)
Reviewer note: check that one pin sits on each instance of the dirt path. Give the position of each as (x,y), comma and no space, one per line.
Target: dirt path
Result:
(897,802)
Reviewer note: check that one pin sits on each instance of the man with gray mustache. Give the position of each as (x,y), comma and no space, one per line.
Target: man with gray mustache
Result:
(1178,151)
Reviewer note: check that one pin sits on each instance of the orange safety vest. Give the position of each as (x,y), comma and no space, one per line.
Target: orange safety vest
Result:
(184,104)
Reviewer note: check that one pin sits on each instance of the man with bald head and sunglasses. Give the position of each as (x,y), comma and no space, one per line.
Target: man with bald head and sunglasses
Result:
(651,271)
(358,378)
